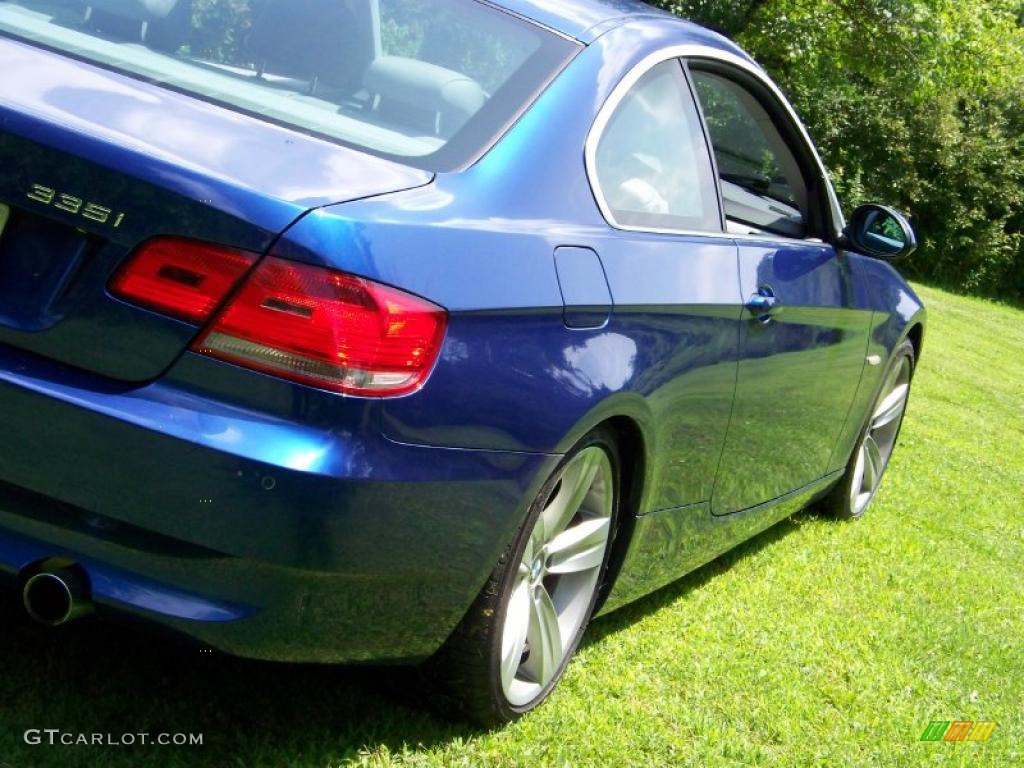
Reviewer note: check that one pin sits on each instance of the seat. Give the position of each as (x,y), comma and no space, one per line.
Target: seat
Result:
(161,24)
(139,10)
(423,96)
(319,41)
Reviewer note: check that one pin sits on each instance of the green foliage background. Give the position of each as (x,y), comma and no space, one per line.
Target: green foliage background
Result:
(915,103)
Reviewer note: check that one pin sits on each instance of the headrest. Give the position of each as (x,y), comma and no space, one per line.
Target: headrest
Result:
(329,40)
(140,10)
(425,87)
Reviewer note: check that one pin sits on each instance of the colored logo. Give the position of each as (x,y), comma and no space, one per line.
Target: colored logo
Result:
(958,730)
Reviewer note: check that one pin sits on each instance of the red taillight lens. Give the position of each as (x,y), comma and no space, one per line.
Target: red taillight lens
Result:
(180,277)
(328,329)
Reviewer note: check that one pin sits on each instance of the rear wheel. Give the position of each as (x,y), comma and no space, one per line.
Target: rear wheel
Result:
(852,496)
(512,647)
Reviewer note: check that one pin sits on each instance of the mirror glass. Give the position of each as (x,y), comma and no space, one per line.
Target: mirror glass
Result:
(881,231)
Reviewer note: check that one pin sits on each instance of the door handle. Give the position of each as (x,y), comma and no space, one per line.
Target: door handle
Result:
(763,303)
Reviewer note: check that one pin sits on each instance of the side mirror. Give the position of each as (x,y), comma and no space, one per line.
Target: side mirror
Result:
(880,231)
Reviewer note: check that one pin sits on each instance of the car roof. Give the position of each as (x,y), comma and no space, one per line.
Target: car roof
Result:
(575,18)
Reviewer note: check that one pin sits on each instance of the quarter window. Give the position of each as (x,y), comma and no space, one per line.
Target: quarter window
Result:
(763,189)
(652,162)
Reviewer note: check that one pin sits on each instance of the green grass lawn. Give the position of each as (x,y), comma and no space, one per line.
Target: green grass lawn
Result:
(814,644)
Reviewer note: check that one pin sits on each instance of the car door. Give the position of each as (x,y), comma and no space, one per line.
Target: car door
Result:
(802,342)
(672,271)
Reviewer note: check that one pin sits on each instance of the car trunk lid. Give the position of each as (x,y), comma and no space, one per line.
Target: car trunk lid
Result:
(94,163)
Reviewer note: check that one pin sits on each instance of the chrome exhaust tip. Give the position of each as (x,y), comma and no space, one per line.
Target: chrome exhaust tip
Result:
(55,596)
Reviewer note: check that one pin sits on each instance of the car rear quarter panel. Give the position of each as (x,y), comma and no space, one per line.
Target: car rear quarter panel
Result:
(480,243)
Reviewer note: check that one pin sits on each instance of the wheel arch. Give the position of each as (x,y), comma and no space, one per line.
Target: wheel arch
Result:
(627,420)
(627,415)
(916,336)
(633,482)
(630,441)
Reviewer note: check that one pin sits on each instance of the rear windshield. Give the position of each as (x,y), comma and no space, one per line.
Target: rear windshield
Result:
(429,82)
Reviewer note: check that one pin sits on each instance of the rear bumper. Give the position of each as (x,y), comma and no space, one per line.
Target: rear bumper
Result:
(293,532)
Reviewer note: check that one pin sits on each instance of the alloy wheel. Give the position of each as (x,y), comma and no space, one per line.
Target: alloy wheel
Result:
(879,439)
(556,577)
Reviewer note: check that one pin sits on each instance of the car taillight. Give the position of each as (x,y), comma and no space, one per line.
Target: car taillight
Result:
(181,278)
(327,329)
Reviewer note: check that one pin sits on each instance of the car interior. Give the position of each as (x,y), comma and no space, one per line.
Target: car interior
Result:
(322,55)
(763,187)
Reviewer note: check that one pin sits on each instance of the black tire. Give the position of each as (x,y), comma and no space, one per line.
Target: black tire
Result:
(841,502)
(465,675)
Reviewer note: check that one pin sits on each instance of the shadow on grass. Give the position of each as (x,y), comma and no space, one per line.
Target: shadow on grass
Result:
(634,612)
(104,675)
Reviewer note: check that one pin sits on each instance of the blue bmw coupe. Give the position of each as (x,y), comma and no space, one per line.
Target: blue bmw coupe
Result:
(418,330)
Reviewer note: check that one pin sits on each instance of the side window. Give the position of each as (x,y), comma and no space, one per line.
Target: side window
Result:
(763,189)
(652,163)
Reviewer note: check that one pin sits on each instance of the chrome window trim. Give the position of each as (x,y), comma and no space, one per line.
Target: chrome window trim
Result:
(693,51)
